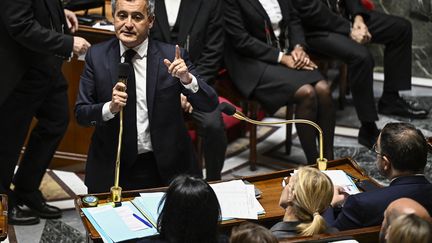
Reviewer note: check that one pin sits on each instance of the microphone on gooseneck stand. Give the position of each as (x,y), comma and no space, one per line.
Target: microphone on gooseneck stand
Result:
(116,190)
(230,110)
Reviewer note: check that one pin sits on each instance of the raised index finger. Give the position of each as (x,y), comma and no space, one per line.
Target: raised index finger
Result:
(177,52)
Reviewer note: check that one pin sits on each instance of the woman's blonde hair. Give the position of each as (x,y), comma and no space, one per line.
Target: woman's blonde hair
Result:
(409,228)
(313,193)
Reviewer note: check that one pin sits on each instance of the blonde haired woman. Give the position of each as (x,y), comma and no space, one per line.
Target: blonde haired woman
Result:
(409,228)
(307,195)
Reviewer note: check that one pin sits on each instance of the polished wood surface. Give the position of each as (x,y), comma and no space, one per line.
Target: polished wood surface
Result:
(270,185)
(3,217)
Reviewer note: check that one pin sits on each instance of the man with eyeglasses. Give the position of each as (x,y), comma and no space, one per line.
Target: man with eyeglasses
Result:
(156,146)
(401,157)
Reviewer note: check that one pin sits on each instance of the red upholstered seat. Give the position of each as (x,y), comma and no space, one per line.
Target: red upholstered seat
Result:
(368,4)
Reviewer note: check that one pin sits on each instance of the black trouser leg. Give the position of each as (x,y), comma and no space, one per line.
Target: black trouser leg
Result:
(211,129)
(360,69)
(396,34)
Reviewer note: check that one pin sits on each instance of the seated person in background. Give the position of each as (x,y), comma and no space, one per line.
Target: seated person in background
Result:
(197,26)
(251,233)
(190,213)
(307,195)
(155,146)
(401,152)
(401,206)
(409,228)
(265,58)
(329,31)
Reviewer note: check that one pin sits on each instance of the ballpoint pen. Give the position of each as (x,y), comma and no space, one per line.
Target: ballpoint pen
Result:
(142,220)
(144,214)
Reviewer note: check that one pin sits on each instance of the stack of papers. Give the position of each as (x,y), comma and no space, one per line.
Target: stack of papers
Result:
(118,224)
(237,200)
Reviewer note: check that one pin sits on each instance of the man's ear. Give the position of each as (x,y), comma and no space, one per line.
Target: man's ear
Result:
(387,163)
(151,21)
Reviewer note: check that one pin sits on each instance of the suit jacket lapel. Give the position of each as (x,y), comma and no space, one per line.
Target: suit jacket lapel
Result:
(284,10)
(113,59)
(162,20)
(259,8)
(187,18)
(153,60)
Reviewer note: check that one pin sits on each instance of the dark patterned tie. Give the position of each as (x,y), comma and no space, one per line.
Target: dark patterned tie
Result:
(129,148)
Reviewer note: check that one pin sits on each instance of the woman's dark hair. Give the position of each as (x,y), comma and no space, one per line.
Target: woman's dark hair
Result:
(190,212)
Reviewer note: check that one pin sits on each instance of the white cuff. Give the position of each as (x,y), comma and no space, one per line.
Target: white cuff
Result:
(192,86)
(280,56)
(106,113)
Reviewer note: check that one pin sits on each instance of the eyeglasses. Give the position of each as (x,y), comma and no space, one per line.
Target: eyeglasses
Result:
(374,149)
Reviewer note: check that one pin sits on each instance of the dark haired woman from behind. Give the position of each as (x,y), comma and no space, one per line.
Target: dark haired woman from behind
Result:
(190,213)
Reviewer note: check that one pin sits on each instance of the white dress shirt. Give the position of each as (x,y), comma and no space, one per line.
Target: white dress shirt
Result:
(172,7)
(274,12)
(140,67)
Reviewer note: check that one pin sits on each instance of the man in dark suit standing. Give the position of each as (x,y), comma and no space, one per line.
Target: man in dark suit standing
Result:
(156,146)
(340,29)
(33,44)
(401,157)
(197,25)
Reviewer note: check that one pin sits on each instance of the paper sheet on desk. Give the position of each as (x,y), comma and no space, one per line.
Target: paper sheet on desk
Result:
(81,57)
(340,178)
(110,224)
(149,203)
(109,27)
(237,200)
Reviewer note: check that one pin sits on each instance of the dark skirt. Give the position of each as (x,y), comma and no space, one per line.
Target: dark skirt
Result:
(278,84)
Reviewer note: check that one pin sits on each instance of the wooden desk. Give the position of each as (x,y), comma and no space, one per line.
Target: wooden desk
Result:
(270,185)
(3,217)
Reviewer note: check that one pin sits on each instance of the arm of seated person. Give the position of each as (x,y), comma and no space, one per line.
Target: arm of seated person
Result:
(349,216)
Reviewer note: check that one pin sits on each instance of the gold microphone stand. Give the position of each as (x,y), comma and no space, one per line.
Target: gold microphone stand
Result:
(116,190)
(321,161)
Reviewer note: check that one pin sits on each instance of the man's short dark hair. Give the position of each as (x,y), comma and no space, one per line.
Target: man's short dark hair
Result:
(150,7)
(405,146)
